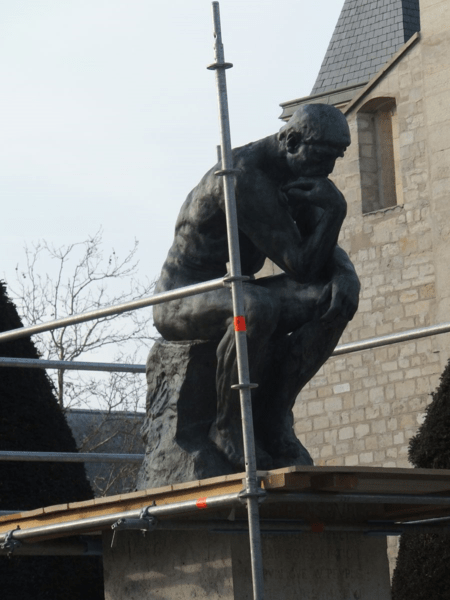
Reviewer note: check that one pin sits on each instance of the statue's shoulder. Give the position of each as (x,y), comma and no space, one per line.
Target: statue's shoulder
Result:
(247,157)
(254,161)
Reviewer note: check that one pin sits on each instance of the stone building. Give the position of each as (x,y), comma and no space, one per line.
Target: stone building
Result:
(388,69)
(362,408)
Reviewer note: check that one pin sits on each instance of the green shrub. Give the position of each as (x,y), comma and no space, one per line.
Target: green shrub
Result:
(423,564)
(30,419)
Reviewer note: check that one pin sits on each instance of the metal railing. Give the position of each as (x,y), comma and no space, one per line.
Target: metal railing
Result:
(358,346)
(75,457)
(190,290)
(392,338)
(70,365)
(253,492)
(6,455)
(146,518)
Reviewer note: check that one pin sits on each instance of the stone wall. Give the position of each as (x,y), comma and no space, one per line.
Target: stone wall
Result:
(363,408)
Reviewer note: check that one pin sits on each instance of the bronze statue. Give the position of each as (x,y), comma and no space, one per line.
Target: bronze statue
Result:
(290,212)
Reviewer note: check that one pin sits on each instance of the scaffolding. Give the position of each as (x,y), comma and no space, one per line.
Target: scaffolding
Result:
(386,502)
(147,517)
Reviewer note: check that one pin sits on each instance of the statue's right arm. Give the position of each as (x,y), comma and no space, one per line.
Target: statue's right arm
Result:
(265,219)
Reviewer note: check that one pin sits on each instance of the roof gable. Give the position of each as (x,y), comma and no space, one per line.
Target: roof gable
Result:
(367,34)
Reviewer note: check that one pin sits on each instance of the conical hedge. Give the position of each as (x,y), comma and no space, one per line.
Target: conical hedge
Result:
(31,419)
(423,564)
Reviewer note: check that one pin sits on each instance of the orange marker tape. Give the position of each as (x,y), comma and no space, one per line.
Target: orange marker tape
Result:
(201,503)
(317,527)
(239,324)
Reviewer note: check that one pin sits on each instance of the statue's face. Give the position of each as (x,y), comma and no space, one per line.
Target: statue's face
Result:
(315,136)
(312,159)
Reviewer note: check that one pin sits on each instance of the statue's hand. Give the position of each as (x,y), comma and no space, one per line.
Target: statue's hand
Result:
(318,191)
(339,299)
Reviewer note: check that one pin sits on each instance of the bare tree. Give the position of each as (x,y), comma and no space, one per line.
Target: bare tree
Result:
(77,278)
(82,280)
(116,428)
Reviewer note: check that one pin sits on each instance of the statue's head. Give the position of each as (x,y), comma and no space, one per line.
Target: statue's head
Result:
(313,138)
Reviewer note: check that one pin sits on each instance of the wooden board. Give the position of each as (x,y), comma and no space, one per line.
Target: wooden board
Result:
(75,511)
(335,480)
(369,480)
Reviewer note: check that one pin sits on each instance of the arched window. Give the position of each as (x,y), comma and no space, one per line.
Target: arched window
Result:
(378,144)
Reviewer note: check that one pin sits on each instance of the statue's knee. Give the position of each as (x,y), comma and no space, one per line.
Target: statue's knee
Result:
(262,317)
(168,325)
(341,323)
(160,320)
(157,315)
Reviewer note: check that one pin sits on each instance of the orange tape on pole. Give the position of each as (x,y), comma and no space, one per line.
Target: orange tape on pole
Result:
(239,324)
(201,503)
(317,527)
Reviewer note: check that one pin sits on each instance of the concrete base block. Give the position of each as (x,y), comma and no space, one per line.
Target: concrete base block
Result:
(176,565)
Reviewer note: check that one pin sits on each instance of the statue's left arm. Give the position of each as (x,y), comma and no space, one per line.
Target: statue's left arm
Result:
(341,295)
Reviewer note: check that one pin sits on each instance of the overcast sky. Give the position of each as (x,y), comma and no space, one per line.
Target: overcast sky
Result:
(109,117)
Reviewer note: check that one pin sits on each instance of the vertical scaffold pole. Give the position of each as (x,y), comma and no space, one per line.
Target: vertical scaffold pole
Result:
(252,491)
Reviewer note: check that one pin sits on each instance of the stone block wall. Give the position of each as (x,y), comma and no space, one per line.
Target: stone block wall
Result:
(362,408)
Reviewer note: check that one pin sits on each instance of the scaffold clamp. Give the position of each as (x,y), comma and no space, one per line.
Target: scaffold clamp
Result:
(223,172)
(228,279)
(260,495)
(10,544)
(145,522)
(244,386)
(219,65)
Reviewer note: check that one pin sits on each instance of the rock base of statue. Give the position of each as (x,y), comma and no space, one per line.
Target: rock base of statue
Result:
(181,406)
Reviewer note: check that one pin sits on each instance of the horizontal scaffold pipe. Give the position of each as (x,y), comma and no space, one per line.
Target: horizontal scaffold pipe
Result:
(18,456)
(104,521)
(93,547)
(71,547)
(359,498)
(301,526)
(392,338)
(190,290)
(184,508)
(70,365)
(293,527)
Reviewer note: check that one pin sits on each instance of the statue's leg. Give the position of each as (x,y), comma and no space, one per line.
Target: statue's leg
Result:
(210,316)
(294,359)
(297,360)
(261,319)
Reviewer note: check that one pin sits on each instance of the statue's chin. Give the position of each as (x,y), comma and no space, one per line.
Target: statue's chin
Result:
(315,172)
(302,170)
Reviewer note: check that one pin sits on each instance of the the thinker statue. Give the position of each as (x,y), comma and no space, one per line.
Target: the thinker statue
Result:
(290,212)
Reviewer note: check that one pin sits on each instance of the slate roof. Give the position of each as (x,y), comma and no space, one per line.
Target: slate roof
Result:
(366,36)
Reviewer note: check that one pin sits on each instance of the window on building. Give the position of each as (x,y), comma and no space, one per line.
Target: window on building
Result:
(378,154)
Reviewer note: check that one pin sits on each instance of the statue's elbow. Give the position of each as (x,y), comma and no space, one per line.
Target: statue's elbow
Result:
(305,272)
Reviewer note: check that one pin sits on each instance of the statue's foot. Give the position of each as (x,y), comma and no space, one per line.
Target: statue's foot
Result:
(229,442)
(302,460)
(287,450)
